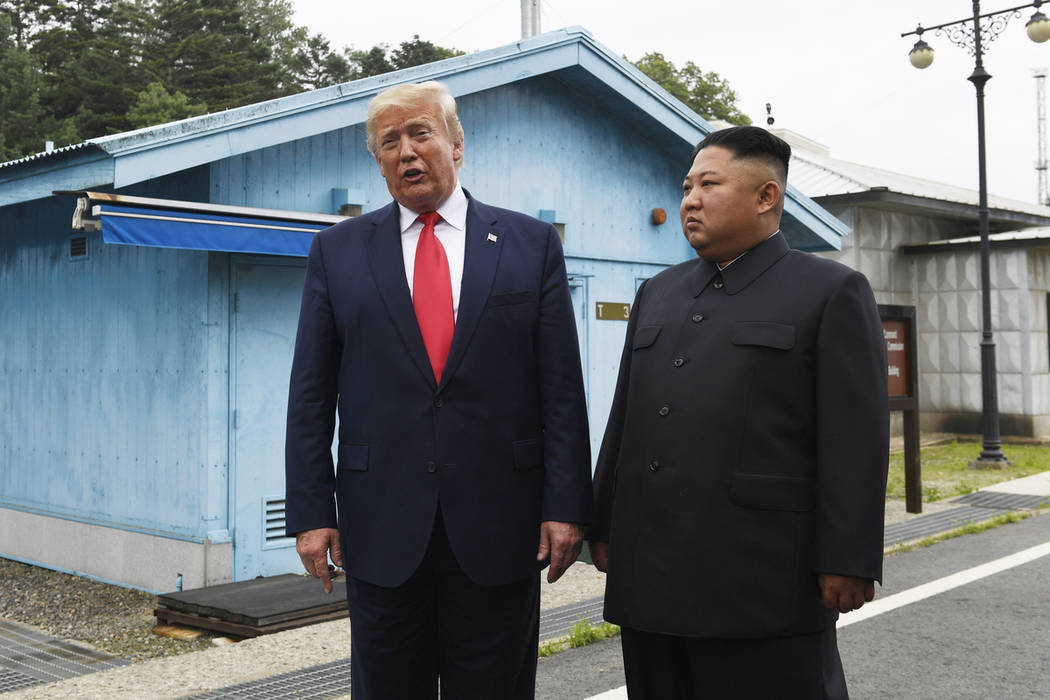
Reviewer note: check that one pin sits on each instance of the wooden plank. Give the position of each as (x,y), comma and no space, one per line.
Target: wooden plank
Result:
(239,630)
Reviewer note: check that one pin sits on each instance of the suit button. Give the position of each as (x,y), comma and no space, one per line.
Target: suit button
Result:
(439,402)
(432,467)
(654,465)
(664,410)
(697,318)
(678,362)
(718,284)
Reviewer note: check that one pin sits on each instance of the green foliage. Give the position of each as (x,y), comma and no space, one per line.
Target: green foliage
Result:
(76,69)
(155,105)
(580,634)
(707,94)
(24,124)
(946,471)
(968,529)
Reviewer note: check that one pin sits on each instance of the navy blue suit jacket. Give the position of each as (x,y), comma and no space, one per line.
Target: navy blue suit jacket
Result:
(499,445)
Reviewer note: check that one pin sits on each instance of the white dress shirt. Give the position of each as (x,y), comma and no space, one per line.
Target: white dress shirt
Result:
(451,230)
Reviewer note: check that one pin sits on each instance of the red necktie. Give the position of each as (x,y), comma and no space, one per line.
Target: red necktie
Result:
(432,294)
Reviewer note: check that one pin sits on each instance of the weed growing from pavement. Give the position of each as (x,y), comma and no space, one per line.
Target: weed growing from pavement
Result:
(580,634)
(968,529)
(946,471)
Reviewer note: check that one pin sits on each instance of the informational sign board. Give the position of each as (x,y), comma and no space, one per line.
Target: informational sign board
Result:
(898,329)
(898,363)
(612,311)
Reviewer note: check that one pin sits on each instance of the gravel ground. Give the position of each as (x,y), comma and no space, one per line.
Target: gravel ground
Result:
(110,618)
(120,620)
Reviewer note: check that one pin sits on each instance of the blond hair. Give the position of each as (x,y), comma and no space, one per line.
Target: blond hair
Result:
(409,96)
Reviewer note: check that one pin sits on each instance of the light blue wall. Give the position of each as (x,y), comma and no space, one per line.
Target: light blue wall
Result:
(106,376)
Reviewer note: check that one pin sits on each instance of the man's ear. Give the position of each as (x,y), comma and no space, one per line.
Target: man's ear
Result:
(768,196)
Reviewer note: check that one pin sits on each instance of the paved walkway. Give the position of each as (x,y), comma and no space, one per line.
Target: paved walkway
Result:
(312,662)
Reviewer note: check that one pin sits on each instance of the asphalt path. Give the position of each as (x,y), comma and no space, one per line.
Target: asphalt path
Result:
(980,628)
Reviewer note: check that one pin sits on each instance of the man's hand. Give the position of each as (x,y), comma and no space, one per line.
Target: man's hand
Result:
(562,543)
(845,593)
(313,547)
(600,555)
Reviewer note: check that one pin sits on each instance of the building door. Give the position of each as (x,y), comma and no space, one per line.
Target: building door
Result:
(266,296)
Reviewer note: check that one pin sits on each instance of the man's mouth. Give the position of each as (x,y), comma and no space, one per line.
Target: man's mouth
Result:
(412,174)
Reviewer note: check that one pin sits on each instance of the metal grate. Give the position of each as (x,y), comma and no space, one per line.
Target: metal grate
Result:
(997,499)
(936,523)
(13,680)
(78,247)
(557,622)
(324,681)
(273,523)
(24,652)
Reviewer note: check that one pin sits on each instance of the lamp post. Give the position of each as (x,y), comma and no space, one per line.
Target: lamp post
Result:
(968,33)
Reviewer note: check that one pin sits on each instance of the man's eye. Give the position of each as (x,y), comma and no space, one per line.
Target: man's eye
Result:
(706,183)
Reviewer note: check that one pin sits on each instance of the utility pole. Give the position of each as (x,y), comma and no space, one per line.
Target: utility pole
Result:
(1040,121)
(530,18)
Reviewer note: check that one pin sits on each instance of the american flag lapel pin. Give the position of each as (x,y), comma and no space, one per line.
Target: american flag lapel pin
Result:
(493,237)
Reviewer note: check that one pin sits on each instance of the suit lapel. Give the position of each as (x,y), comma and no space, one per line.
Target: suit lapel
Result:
(388,269)
(480,258)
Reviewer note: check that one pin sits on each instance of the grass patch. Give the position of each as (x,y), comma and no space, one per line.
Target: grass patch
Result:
(580,634)
(946,471)
(967,529)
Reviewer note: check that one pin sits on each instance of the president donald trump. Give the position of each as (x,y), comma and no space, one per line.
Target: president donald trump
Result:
(442,332)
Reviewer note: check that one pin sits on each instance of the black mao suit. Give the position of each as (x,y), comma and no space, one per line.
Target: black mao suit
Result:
(499,446)
(746,448)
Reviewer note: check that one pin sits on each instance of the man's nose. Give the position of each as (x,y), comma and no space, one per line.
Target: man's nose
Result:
(407,152)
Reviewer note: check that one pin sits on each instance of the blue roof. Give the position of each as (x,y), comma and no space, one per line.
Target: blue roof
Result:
(135,156)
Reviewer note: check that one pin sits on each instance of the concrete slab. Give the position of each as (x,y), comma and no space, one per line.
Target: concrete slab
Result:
(1035,485)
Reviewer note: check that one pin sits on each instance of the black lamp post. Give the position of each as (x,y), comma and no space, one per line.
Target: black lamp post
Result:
(967,33)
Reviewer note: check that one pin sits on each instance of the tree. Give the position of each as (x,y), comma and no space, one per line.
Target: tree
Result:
(707,94)
(24,124)
(380,59)
(155,105)
(418,52)
(90,56)
(208,51)
(316,65)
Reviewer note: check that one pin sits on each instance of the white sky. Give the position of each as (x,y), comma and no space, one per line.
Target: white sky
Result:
(836,71)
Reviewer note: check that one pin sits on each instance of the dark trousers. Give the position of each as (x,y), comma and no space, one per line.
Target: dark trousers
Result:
(480,640)
(661,667)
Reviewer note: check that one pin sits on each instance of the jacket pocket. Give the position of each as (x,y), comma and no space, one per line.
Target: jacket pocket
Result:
(765,492)
(528,454)
(353,457)
(646,336)
(771,335)
(507,298)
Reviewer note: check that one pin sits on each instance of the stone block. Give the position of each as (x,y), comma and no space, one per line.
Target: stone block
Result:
(928,313)
(969,311)
(926,266)
(1008,268)
(970,392)
(929,351)
(969,351)
(1011,393)
(968,269)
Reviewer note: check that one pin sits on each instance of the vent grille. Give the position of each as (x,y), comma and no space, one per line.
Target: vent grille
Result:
(273,523)
(78,247)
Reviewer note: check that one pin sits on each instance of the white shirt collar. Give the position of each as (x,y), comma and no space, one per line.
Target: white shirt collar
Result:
(722,267)
(453,211)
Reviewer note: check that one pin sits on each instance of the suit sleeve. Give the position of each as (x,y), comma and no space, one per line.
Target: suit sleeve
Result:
(312,394)
(609,454)
(852,433)
(566,439)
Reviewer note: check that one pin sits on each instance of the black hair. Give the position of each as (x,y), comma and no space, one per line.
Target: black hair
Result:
(749,142)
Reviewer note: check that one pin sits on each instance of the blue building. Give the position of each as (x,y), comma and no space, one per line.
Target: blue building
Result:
(145,353)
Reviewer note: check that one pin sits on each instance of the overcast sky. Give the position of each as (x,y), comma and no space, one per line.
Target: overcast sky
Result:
(836,71)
